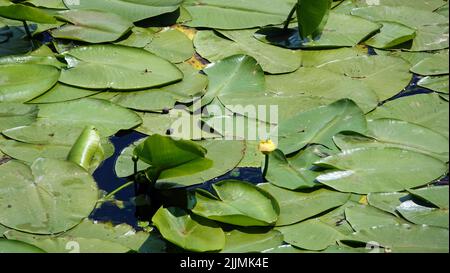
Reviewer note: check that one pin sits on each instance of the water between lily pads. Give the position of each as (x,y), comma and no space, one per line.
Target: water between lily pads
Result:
(126,212)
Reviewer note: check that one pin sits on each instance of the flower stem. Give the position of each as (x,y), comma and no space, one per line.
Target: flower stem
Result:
(27,30)
(289,18)
(266,165)
(111,194)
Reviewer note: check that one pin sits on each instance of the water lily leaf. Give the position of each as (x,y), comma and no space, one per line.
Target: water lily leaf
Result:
(372,70)
(319,125)
(62,93)
(431,28)
(225,156)
(317,58)
(107,117)
(437,196)
(172,45)
(134,10)
(366,217)
(422,215)
(97,67)
(237,14)
(16,114)
(392,34)
(341,30)
(406,238)
(400,134)
(11,246)
(311,235)
(124,166)
(312,16)
(437,84)
(24,82)
(272,59)
(51,4)
(429,5)
(26,13)
(42,55)
(139,37)
(238,203)
(437,64)
(322,85)
(68,244)
(188,232)
(296,172)
(388,201)
(296,206)
(428,110)
(247,240)
(91,26)
(49,197)
(191,87)
(365,170)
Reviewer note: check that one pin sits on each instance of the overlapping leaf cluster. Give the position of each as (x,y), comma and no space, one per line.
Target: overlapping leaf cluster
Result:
(356,163)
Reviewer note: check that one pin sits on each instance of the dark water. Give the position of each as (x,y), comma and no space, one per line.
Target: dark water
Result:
(108,181)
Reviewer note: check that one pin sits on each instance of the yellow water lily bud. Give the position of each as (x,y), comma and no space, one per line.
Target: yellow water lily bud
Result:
(267,146)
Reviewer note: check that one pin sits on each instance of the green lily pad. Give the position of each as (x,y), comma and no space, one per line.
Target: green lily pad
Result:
(437,196)
(238,203)
(428,110)
(365,217)
(237,14)
(139,37)
(49,197)
(388,201)
(188,232)
(423,215)
(296,206)
(225,156)
(24,82)
(431,28)
(392,34)
(371,70)
(406,238)
(98,67)
(272,59)
(11,246)
(42,55)
(51,4)
(319,125)
(438,64)
(317,58)
(68,244)
(107,117)
(400,134)
(365,170)
(248,241)
(134,10)
(341,30)
(62,93)
(172,45)
(91,26)
(296,172)
(26,13)
(16,114)
(437,84)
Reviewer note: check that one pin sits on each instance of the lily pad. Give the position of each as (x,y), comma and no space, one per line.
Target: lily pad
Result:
(388,201)
(423,215)
(319,125)
(365,170)
(366,217)
(406,238)
(437,196)
(134,10)
(62,93)
(97,67)
(272,59)
(371,70)
(49,197)
(42,55)
(236,14)
(296,206)
(296,172)
(172,45)
(438,64)
(187,232)
(11,246)
(400,134)
(238,203)
(24,82)
(26,13)
(437,84)
(91,26)
(248,240)
(392,34)
(428,110)
(16,114)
